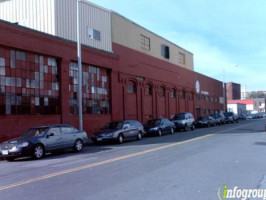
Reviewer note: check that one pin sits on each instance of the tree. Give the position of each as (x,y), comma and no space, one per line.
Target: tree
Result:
(256,95)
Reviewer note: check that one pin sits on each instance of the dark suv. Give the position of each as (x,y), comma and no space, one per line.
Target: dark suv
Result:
(184,121)
(219,118)
(230,117)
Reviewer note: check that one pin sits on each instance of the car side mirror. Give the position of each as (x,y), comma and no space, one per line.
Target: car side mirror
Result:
(49,135)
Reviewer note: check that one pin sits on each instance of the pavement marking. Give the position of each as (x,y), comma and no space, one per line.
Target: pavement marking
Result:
(48,176)
(230,129)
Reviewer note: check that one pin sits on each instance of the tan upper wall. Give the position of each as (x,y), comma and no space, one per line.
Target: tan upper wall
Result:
(131,35)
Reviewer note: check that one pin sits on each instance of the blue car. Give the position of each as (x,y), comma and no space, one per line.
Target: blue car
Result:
(159,126)
(35,142)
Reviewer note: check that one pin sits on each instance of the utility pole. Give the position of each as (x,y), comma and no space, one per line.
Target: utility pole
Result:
(79,68)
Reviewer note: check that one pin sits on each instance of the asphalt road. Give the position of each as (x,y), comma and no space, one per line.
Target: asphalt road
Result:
(182,166)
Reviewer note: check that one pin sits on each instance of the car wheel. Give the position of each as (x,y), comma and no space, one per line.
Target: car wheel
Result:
(120,139)
(38,151)
(186,128)
(160,132)
(172,130)
(139,136)
(78,146)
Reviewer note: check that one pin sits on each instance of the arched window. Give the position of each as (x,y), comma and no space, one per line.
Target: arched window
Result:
(148,90)
(131,88)
(183,94)
(161,92)
(173,93)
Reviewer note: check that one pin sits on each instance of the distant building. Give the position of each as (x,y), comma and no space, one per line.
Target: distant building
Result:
(237,108)
(252,105)
(244,92)
(233,91)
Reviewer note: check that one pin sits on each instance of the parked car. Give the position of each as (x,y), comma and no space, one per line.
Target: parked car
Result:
(206,121)
(219,118)
(242,116)
(159,126)
(119,131)
(37,141)
(184,121)
(250,116)
(230,117)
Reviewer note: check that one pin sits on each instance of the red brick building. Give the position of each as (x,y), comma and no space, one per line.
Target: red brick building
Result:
(38,81)
(233,91)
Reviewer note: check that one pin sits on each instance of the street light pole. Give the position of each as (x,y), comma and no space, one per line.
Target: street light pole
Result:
(79,68)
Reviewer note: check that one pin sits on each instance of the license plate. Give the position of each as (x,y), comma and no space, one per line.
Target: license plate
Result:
(4,152)
(99,139)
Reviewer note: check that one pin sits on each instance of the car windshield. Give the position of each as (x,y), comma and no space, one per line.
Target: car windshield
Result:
(35,132)
(205,118)
(215,116)
(228,114)
(153,122)
(113,125)
(178,117)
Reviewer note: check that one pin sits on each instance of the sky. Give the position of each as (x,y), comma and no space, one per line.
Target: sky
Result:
(226,37)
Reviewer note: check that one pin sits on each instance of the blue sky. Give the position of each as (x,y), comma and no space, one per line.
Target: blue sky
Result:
(227,35)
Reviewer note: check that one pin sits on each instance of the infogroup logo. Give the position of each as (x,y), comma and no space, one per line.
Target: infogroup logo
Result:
(243,194)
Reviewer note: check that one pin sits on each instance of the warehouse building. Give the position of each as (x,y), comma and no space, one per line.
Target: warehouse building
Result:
(128,71)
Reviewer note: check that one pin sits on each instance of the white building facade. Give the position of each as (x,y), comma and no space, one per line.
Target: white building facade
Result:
(237,108)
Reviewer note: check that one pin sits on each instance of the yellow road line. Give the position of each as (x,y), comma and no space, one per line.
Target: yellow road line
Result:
(99,163)
(110,160)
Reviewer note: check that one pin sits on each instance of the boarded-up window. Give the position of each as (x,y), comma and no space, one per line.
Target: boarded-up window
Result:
(95,89)
(181,58)
(29,84)
(145,42)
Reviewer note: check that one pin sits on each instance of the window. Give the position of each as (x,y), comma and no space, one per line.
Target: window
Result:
(25,87)
(161,92)
(173,93)
(95,89)
(94,34)
(148,90)
(183,94)
(132,124)
(145,42)
(165,51)
(56,131)
(181,58)
(131,88)
(66,130)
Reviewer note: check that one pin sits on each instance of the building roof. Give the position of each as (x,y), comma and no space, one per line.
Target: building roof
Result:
(246,101)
